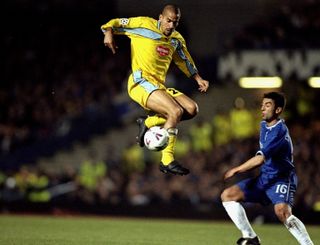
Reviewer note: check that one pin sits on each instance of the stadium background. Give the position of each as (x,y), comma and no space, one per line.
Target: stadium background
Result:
(67,126)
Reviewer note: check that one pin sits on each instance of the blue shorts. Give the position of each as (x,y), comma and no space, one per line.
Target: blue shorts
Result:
(265,189)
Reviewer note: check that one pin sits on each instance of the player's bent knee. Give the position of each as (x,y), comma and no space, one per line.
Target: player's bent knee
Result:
(190,112)
(175,112)
(224,196)
(282,211)
(281,216)
(231,194)
(193,110)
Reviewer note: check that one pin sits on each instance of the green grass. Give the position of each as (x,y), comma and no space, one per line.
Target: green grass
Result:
(115,231)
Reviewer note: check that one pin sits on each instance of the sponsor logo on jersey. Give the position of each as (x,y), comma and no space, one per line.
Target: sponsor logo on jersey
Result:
(162,51)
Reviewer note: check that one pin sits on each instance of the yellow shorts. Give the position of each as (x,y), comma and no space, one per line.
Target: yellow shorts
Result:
(140,88)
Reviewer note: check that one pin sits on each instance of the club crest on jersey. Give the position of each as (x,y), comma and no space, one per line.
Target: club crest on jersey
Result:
(124,21)
(162,51)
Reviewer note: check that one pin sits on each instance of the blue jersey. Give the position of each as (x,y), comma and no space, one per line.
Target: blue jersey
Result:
(276,147)
(277,182)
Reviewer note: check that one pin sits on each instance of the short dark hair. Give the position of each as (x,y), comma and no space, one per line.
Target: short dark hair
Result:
(171,7)
(278,98)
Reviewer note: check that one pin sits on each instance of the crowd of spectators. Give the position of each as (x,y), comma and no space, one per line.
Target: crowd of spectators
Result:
(54,71)
(135,179)
(293,26)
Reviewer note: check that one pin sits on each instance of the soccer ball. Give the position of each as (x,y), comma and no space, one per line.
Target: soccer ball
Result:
(156,138)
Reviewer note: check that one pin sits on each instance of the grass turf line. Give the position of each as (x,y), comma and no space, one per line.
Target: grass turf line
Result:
(79,230)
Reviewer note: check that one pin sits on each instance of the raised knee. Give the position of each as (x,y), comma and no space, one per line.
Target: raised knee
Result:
(176,112)
(193,110)
(190,112)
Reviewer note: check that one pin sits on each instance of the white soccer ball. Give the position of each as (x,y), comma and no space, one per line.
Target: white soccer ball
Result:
(156,138)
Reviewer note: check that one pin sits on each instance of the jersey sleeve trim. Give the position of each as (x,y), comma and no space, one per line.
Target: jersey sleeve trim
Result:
(191,68)
(144,32)
(260,153)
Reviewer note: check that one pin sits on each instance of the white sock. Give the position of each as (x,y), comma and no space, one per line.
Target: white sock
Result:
(238,215)
(298,230)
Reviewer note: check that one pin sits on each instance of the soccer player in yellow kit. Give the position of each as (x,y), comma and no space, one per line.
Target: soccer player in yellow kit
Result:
(154,44)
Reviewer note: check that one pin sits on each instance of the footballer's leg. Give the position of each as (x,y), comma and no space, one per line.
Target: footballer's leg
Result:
(282,195)
(231,198)
(140,89)
(292,223)
(153,96)
(142,130)
(190,107)
(298,230)
(190,110)
(147,122)
(162,102)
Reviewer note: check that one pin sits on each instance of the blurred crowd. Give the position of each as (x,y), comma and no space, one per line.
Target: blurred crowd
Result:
(55,73)
(135,180)
(293,26)
(55,76)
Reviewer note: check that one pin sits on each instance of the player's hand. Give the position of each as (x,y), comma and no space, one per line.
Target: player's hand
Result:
(203,85)
(229,173)
(109,41)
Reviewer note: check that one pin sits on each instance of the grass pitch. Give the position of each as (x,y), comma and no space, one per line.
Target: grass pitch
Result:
(120,231)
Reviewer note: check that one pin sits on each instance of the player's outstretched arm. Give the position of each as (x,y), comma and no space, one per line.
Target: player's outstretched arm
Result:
(109,40)
(203,84)
(248,165)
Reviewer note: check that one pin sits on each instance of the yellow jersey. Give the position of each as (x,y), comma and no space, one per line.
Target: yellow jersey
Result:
(151,51)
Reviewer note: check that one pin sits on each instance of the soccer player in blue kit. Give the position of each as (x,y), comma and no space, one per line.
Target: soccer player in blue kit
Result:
(277,181)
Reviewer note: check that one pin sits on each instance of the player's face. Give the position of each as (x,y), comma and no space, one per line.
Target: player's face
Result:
(168,22)
(269,112)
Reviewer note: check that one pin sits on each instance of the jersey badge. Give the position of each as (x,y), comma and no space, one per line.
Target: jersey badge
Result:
(124,21)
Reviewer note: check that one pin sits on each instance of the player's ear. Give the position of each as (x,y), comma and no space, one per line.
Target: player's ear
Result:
(279,110)
(160,17)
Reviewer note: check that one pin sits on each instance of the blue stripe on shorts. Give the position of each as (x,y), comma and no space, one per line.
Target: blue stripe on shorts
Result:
(137,78)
